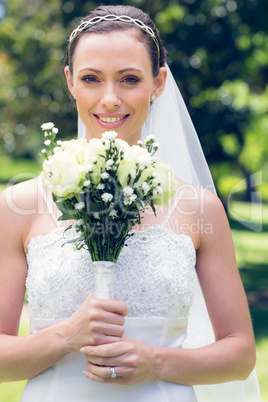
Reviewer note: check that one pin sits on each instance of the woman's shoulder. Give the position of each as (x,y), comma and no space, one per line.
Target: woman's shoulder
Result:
(20,200)
(196,199)
(197,211)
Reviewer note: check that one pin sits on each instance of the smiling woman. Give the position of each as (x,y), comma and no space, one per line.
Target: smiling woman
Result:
(174,280)
(112,90)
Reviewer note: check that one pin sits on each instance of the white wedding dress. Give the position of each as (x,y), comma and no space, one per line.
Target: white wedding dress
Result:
(155,276)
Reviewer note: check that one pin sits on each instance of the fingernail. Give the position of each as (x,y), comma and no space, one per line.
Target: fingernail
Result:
(83,350)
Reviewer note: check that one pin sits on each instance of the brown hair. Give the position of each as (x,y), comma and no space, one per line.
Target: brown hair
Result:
(158,58)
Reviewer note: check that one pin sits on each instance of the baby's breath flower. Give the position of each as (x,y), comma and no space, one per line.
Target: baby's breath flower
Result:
(59,142)
(96,215)
(128,191)
(155,182)
(108,164)
(87,183)
(43,151)
(109,135)
(145,187)
(140,143)
(47,142)
(159,190)
(100,186)
(106,197)
(55,130)
(80,205)
(149,138)
(113,213)
(155,145)
(47,126)
(105,175)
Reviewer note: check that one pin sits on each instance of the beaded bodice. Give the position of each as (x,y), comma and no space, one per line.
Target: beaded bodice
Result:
(155,274)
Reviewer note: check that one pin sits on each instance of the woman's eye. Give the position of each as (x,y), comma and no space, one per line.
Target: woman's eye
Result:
(131,80)
(90,79)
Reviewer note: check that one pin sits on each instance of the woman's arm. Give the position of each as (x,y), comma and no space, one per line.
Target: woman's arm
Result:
(95,321)
(231,357)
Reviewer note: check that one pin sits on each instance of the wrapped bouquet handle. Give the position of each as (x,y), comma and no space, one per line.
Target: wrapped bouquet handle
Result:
(104,272)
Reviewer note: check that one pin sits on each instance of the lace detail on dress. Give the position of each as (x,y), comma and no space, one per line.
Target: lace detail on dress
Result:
(155,274)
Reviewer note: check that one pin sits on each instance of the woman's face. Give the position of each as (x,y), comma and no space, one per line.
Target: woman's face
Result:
(112,82)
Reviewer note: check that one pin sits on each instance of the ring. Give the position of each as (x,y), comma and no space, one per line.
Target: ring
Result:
(113,373)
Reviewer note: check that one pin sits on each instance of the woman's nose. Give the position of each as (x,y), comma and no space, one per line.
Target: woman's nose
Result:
(110,98)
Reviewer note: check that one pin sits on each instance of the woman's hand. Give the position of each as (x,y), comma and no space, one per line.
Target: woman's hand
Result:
(95,322)
(133,360)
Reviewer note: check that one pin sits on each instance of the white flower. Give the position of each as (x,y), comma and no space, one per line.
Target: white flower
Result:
(133,173)
(63,175)
(149,138)
(121,144)
(166,181)
(47,142)
(113,213)
(140,143)
(109,135)
(155,182)
(106,197)
(100,186)
(128,191)
(55,130)
(59,142)
(96,215)
(130,200)
(108,164)
(80,205)
(43,151)
(146,188)
(106,144)
(47,126)
(87,183)
(155,145)
(105,175)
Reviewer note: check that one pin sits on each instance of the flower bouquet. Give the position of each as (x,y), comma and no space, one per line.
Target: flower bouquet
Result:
(103,186)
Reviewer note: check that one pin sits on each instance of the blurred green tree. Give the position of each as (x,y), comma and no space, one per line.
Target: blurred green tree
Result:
(217,52)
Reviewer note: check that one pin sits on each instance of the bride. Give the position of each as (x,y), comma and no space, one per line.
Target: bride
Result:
(155,340)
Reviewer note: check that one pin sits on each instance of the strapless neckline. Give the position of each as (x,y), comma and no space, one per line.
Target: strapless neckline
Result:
(157,227)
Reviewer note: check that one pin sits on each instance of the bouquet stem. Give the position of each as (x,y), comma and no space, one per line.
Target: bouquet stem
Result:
(104,279)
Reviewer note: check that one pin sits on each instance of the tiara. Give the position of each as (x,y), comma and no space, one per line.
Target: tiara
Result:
(111,17)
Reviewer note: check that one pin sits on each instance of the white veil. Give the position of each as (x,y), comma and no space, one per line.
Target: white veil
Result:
(170,123)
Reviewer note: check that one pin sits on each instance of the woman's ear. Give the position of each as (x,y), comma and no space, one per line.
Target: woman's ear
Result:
(160,82)
(69,80)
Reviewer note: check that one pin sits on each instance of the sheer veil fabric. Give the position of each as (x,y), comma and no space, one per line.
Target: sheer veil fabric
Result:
(170,123)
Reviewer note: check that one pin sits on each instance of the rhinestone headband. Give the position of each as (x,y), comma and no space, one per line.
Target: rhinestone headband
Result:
(111,17)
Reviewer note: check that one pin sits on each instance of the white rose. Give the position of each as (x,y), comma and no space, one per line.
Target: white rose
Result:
(167,180)
(62,175)
(125,169)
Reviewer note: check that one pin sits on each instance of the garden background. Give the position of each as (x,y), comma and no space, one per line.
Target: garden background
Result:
(218,53)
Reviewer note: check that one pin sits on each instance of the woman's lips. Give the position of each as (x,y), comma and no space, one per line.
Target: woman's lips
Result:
(111,122)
